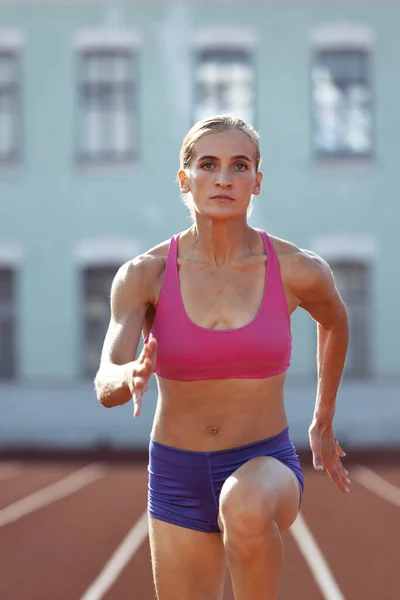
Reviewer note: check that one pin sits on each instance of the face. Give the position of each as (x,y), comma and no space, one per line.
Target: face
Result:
(222,175)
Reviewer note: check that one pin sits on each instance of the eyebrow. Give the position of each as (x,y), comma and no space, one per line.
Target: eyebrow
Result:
(237,157)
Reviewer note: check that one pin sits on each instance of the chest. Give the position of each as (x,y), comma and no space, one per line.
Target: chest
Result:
(223,298)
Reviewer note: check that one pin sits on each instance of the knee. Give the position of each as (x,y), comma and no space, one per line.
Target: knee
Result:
(246,512)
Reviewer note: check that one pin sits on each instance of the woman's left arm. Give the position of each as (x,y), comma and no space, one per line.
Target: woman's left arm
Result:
(314,286)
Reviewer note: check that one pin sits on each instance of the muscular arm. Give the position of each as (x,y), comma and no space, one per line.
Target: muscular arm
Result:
(319,297)
(312,283)
(132,293)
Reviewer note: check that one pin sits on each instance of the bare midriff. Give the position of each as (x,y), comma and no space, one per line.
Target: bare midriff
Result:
(211,415)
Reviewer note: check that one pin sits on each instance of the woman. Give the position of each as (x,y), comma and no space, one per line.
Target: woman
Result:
(214,305)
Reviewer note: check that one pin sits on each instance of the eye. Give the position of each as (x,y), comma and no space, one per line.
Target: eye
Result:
(241,166)
(207,166)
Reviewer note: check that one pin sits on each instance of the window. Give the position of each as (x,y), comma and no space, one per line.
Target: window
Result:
(342,102)
(7,323)
(108,125)
(352,280)
(10,113)
(96,314)
(224,83)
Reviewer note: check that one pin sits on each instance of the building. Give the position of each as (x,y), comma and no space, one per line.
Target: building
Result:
(95,99)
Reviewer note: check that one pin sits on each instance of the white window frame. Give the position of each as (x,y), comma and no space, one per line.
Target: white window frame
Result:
(346,248)
(99,252)
(236,39)
(352,36)
(107,39)
(342,36)
(351,249)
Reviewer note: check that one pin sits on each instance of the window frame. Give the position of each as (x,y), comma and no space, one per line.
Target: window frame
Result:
(12,319)
(107,42)
(97,252)
(343,37)
(224,41)
(354,249)
(84,373)
(10,47)
(363,371)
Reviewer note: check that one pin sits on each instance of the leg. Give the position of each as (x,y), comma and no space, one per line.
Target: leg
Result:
(258,502)
(187,564)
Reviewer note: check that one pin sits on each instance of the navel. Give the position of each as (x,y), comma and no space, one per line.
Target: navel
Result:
(212,430)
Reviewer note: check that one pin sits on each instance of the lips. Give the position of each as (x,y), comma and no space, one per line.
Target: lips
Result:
(223,197)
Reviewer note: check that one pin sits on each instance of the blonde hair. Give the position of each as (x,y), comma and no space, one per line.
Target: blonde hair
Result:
(210,125)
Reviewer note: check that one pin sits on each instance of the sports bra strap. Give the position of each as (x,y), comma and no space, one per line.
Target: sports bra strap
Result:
(171,271)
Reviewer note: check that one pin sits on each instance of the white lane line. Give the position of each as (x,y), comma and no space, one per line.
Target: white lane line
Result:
(377,484)
(315,560)
(118,560)
(51,493)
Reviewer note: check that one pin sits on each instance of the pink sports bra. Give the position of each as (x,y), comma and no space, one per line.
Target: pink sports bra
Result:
(188,352)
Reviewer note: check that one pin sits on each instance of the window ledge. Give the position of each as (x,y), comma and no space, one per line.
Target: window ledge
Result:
(344,160)
(343,34)
(107,38)
(97,166)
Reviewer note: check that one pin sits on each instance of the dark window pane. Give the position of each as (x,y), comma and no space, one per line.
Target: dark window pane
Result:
(342,103)
(7,324)
(96,313)
(10,114)
(353,283)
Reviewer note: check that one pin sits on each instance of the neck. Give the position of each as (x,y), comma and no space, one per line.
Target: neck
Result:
(221,239)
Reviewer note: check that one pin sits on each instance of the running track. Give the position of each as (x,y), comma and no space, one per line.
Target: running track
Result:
(75,531)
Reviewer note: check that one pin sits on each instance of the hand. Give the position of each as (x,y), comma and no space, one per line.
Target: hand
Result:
(327,454)
(143,369)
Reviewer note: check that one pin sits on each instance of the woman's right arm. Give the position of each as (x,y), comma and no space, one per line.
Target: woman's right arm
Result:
(121,376)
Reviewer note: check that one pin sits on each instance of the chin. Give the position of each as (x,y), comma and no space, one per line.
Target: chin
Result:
(223,212)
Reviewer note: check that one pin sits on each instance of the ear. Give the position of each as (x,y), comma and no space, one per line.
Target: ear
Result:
(183,182)
(257,185)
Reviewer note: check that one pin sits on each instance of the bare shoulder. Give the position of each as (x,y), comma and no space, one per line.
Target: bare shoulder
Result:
(306,274)
(141,277)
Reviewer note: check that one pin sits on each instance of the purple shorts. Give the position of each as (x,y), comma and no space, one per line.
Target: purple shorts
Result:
(184,486)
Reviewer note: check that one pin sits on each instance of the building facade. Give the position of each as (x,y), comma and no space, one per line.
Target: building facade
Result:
(95,99)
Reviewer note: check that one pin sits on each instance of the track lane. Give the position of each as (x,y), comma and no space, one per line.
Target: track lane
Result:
(358,534)
(296,582)
(32,478)
(56,552)
(391,474)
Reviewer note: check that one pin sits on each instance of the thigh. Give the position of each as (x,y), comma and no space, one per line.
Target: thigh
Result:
(187,564)
(262,486)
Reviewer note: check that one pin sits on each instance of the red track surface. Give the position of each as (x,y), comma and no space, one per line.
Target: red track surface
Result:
(57,551)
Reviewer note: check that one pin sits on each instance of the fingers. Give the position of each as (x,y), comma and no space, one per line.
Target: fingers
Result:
(152,345)
(338,475)
(332,464)
(146,362)
(143,372)
(149,350)
(144,368)
(137,403)
(327,455)
(315,444)
(339,450)
(317,462)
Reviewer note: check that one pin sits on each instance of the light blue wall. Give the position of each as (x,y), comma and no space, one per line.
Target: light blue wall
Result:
(50,203)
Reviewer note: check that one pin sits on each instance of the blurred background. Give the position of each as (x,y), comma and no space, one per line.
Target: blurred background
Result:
(95,98)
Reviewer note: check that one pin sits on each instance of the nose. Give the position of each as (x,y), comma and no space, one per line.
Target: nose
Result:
(224,180)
